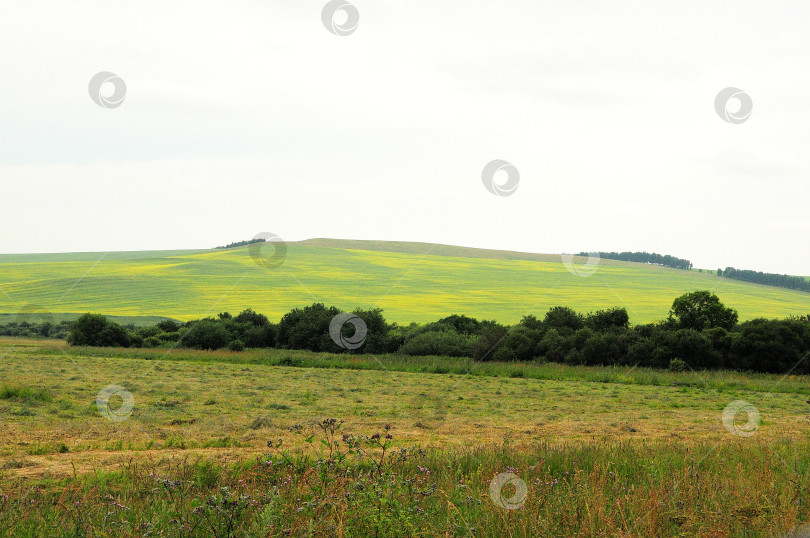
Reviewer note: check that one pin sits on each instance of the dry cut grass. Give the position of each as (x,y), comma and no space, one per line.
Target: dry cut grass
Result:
(224,444)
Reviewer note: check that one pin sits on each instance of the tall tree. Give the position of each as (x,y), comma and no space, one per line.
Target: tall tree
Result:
(701,310)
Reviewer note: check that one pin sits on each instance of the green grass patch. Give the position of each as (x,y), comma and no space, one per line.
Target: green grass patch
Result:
(24,393)
(720,380)
(42,449)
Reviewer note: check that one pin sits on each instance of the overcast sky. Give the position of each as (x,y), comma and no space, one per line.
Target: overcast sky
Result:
(245,117)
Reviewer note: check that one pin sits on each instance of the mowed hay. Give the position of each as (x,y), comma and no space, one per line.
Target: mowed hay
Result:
(224,444)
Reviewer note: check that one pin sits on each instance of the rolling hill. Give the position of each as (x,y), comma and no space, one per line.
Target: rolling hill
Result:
(409,281)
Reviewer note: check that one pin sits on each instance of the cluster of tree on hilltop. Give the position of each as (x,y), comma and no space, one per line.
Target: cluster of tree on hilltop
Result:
(244,243)
(644,257)
(700,333)
(769,279)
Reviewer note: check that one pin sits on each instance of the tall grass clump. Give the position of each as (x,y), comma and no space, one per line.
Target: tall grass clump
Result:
(25,394)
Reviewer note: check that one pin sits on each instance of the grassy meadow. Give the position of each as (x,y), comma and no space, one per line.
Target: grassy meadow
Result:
(229,444)
(270,442)
(409,281)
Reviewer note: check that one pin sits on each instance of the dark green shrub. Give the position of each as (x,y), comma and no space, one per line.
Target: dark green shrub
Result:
(255,336)
(564,319)
(639,353)
(677,365)
(554,347)
(518,344)
(377,340)
(152,341)
(307,328)
(695,348)
(96,330)
(462,324)
(253,318)
(485,345)
(531,322)
(146,332)
(169,337)
(447,343)
(206,334)
(169,325)
(135,340)
(606,348)
(604,320)
(770,346)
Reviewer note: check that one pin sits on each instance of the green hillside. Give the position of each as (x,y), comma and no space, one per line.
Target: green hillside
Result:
(410,281)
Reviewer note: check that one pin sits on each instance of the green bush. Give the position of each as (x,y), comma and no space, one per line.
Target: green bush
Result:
(696,347)
(147,332)
(135,340)
(446,343)
(677,365)
(485,346)
(377,338)
(152,341)
(461,324)
(604,349)
(96,330)
(169,337)
(206,334)
(307,328)
(252,318)
(564,319)
(765,345)
(236,345)
(518,344)
(603,320)
(169,325)
(554,347)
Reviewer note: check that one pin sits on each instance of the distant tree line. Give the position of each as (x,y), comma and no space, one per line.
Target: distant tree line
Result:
(644,257)
(699,333)
(243,243)
(43,328)
(769,279)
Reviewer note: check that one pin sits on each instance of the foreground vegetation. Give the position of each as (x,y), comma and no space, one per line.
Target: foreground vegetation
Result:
(359,485)
(220,443)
